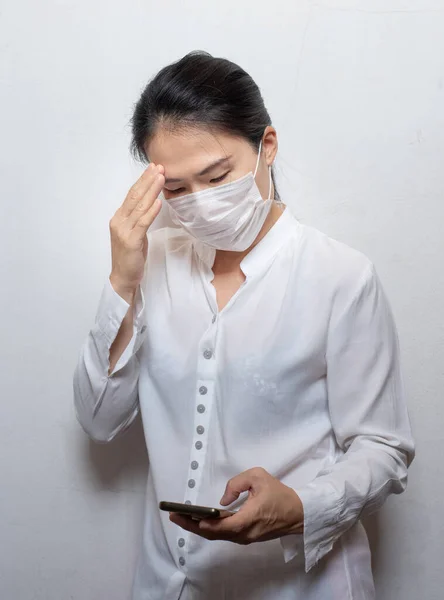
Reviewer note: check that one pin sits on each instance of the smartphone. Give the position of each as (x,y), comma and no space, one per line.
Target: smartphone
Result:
(195,512)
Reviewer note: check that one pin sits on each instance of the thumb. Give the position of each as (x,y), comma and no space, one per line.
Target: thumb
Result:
(238,484)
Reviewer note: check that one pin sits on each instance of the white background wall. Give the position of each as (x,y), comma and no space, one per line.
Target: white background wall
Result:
(356,91)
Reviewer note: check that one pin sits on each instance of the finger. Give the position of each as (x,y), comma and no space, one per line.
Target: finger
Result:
(240,483)
(147,219)
(138,190)
(146,203)
(186,523)
(230,526)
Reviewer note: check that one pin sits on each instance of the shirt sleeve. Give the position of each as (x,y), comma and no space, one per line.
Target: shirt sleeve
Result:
(370,421)
(106,403)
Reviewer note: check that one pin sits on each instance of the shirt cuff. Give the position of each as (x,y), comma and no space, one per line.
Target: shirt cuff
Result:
(323,523)
(293,547)
(139,309)
(112,311)
(138,330)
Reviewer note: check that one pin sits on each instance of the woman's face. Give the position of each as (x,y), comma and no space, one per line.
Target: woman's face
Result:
(195,159)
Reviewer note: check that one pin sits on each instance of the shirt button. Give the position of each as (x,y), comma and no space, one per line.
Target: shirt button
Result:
(181,561)
(201,408)
(200,429)
(191,483)
(203,390)
(143,329)
(198,445)
(213,320)
(181,542)
(208,354)
(187,501)
(194,465)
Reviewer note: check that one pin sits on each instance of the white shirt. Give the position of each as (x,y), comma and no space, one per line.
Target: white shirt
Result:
(298,374)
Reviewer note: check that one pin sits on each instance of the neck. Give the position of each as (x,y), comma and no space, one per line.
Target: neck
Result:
(226,260)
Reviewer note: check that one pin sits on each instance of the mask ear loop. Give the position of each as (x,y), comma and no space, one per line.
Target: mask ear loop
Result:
(269,171)
(258,158)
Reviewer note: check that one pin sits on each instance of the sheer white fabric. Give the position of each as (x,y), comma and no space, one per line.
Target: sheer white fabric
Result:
(298,374)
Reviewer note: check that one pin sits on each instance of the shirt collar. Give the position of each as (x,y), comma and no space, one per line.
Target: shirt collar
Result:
(261,255)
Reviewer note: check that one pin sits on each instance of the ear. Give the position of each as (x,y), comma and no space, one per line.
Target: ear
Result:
(269,144)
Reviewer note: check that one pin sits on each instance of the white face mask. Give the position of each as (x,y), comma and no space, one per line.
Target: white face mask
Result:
(226,217)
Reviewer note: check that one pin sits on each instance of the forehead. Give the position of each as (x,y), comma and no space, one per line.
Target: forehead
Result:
(186,148)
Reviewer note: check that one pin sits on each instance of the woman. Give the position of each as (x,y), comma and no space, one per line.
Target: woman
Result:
(262,354)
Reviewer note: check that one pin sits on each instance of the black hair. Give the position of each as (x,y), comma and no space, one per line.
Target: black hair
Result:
(200,89)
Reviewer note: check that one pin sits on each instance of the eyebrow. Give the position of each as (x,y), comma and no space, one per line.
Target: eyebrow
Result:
(207,169)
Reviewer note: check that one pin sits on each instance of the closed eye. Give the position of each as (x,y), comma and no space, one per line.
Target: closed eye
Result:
(218,179)
(182,189)
(178,191)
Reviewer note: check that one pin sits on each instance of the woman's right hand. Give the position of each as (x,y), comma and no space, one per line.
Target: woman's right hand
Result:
(128,228)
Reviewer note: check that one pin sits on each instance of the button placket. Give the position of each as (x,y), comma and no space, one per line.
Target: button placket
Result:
(204,398)
(199,445)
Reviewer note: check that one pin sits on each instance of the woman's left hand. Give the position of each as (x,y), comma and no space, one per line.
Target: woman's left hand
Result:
(271,510)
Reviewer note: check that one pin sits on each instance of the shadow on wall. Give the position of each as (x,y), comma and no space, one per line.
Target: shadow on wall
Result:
(123,463)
